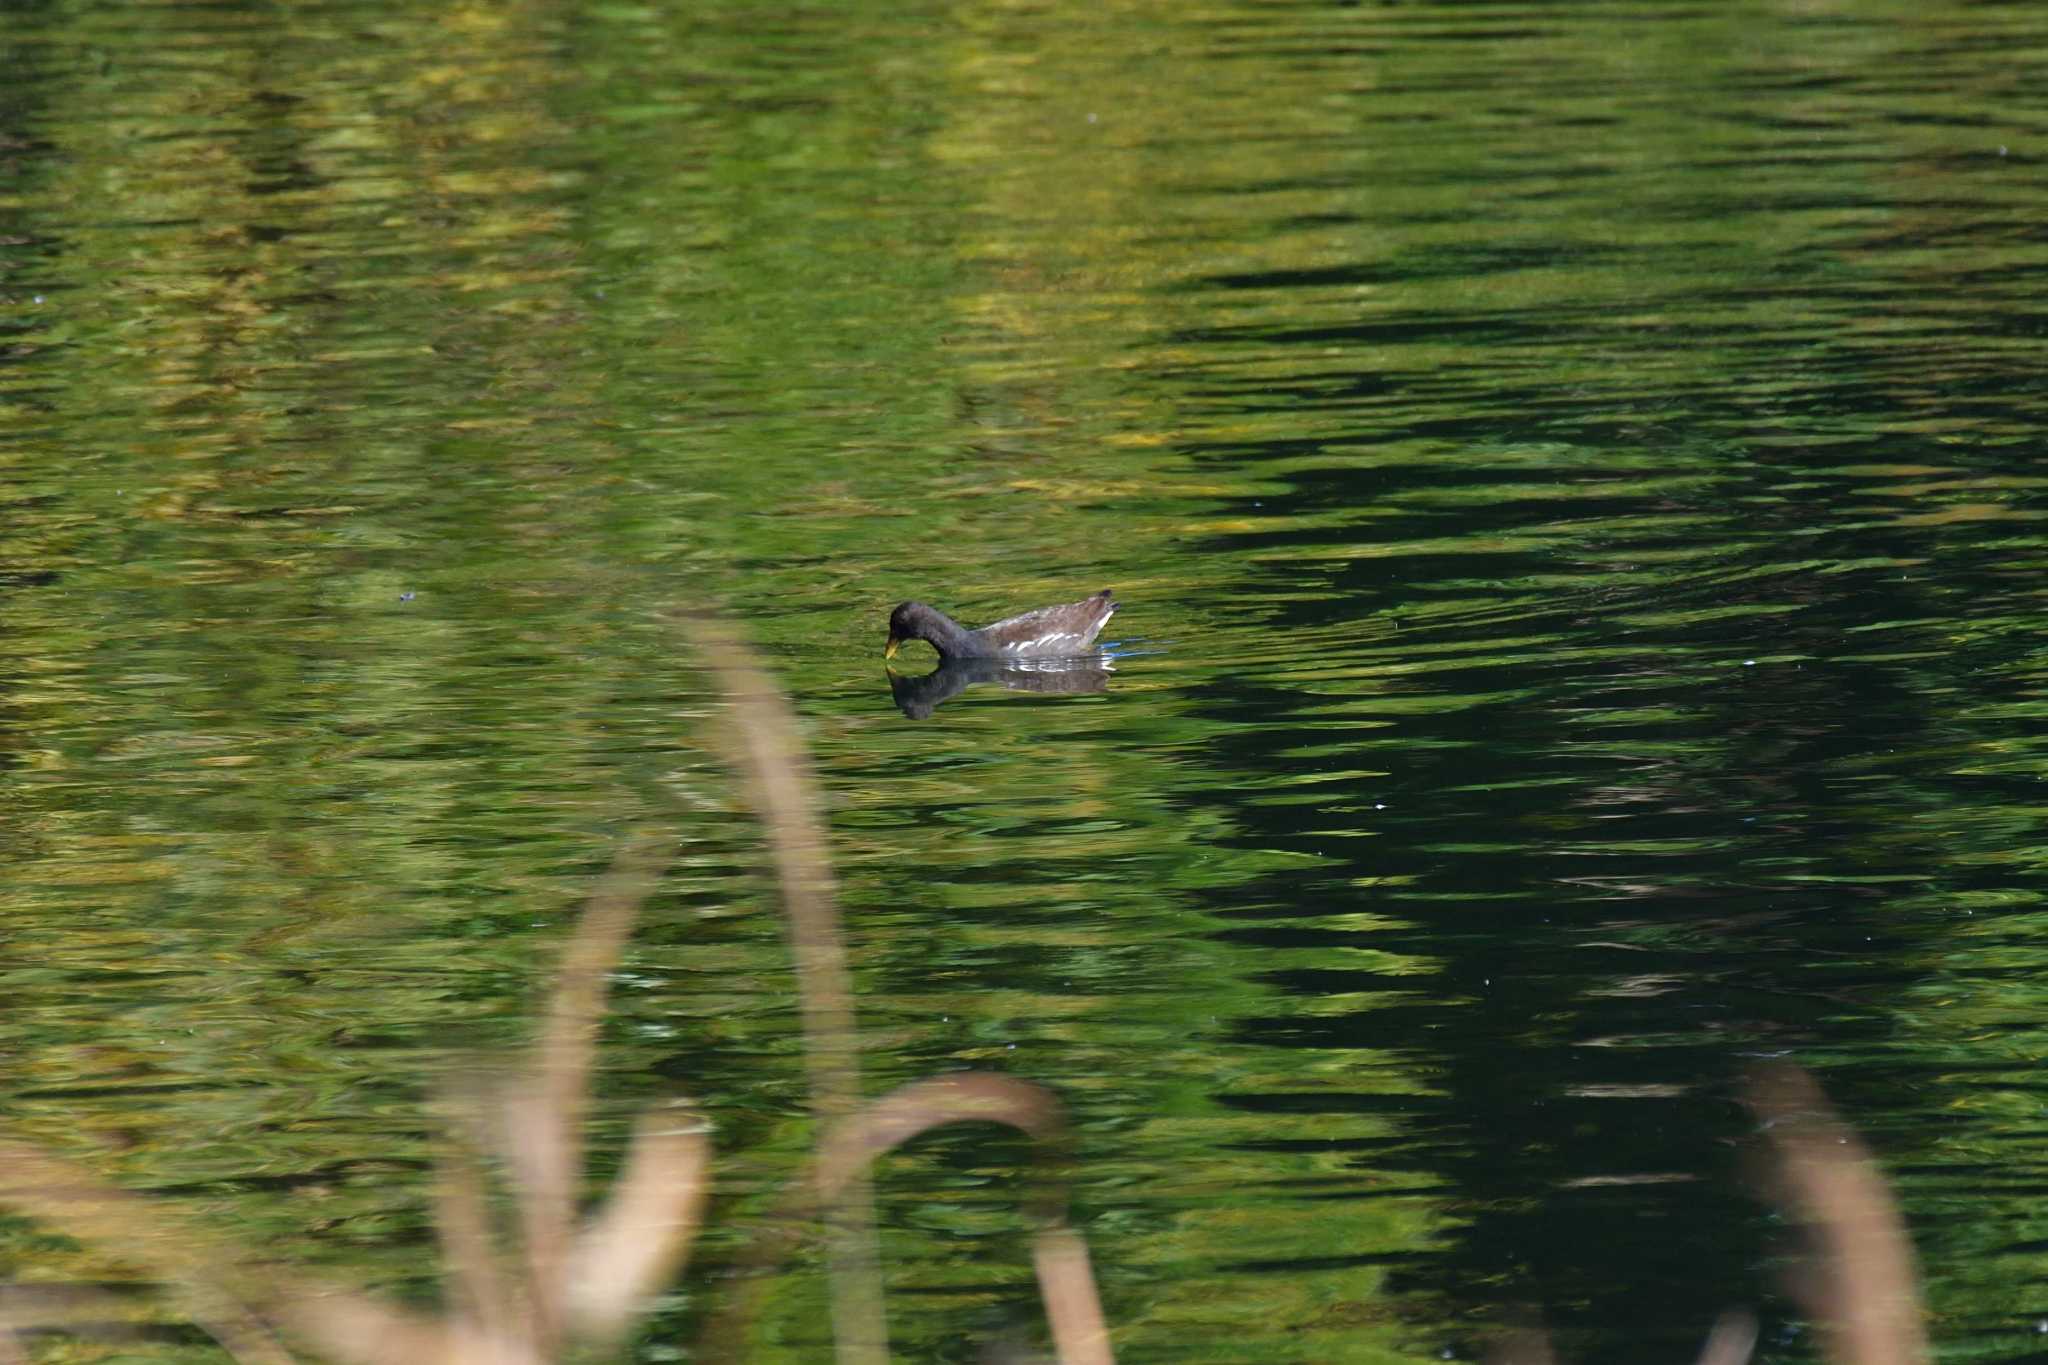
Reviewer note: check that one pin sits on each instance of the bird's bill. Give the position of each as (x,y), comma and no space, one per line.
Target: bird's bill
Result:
(895,643)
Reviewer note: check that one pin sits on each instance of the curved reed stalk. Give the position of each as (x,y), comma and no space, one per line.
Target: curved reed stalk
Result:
(1059,1255)
(1862,1288)
(769,753)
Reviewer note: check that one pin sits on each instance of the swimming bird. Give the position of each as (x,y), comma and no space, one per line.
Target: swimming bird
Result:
(1061,632)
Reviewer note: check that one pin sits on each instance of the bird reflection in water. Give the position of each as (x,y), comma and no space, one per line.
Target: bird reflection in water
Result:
(919,697)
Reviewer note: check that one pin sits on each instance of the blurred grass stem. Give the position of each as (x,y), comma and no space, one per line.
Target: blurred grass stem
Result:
(770,757)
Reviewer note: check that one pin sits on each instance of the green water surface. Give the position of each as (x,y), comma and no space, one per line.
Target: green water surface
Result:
(1573,473)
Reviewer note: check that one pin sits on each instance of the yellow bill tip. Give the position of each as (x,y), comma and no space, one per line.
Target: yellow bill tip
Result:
(889,650)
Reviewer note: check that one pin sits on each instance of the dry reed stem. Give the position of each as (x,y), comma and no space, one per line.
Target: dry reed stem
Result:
(775,775)
(1864,1292)
(607,1274)
(217,1290)
(1059,1256)
(545,1113)
(495,1319)
(478,1288)
(1732,1340)
(1073,1309)
(359,1330)
(640,1240)
(534,1150)
(235,1303)
(1080,1334)
(76,1308)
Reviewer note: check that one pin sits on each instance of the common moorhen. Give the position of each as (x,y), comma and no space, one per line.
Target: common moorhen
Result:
(1062,632)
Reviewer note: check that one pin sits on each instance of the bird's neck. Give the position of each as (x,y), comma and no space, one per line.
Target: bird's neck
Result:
(946,635)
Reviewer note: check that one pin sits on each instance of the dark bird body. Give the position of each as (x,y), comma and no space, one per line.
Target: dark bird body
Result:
(1062,632)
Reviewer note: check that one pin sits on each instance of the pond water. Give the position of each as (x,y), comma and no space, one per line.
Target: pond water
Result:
(1573,475)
